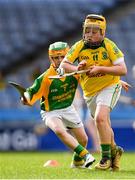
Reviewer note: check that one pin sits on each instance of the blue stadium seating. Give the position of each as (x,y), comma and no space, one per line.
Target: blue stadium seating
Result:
(27,24)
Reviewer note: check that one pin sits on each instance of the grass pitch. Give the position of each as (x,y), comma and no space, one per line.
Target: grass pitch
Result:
(29,165)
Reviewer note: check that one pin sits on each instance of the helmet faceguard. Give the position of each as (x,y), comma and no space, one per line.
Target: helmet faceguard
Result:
(57,52)
(94,21)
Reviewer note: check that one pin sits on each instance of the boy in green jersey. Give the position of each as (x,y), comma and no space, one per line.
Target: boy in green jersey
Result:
(58,113)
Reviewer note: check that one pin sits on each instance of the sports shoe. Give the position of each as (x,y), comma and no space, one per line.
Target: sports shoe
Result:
(104,164)
(89,160)
(77,164)
(79,167)
(116,156)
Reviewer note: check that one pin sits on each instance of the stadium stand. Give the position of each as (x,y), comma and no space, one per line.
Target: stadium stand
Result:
(26,26)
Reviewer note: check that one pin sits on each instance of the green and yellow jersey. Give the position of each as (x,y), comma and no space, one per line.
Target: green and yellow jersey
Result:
(105,55)
(53,93)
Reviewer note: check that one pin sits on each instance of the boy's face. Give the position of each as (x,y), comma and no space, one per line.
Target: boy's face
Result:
(93,35)
(56,60)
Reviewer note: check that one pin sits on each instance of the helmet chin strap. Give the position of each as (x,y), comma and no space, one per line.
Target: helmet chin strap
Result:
(93,45)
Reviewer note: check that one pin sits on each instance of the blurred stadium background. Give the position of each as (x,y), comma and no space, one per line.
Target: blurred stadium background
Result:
(27,27)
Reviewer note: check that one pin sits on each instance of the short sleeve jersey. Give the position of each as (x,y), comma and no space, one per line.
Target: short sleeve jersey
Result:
(53,93)
(105,55)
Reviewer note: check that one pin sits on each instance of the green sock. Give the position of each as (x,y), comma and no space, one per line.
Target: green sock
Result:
(106,150)
(81,151)
(76,157)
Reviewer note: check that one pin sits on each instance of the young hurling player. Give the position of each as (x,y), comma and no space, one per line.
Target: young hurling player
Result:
(101,85)
(57,110)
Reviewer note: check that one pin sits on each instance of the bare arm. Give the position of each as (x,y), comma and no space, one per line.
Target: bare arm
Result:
(116,70)
(68,66)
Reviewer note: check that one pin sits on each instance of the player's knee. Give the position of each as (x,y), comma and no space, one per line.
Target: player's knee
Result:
(59,131)
(100,121)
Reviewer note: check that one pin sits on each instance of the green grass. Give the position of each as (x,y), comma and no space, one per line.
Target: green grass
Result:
(27,165)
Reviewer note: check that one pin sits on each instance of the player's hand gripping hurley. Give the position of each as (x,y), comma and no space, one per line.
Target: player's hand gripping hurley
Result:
(21,91)
(69,74)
